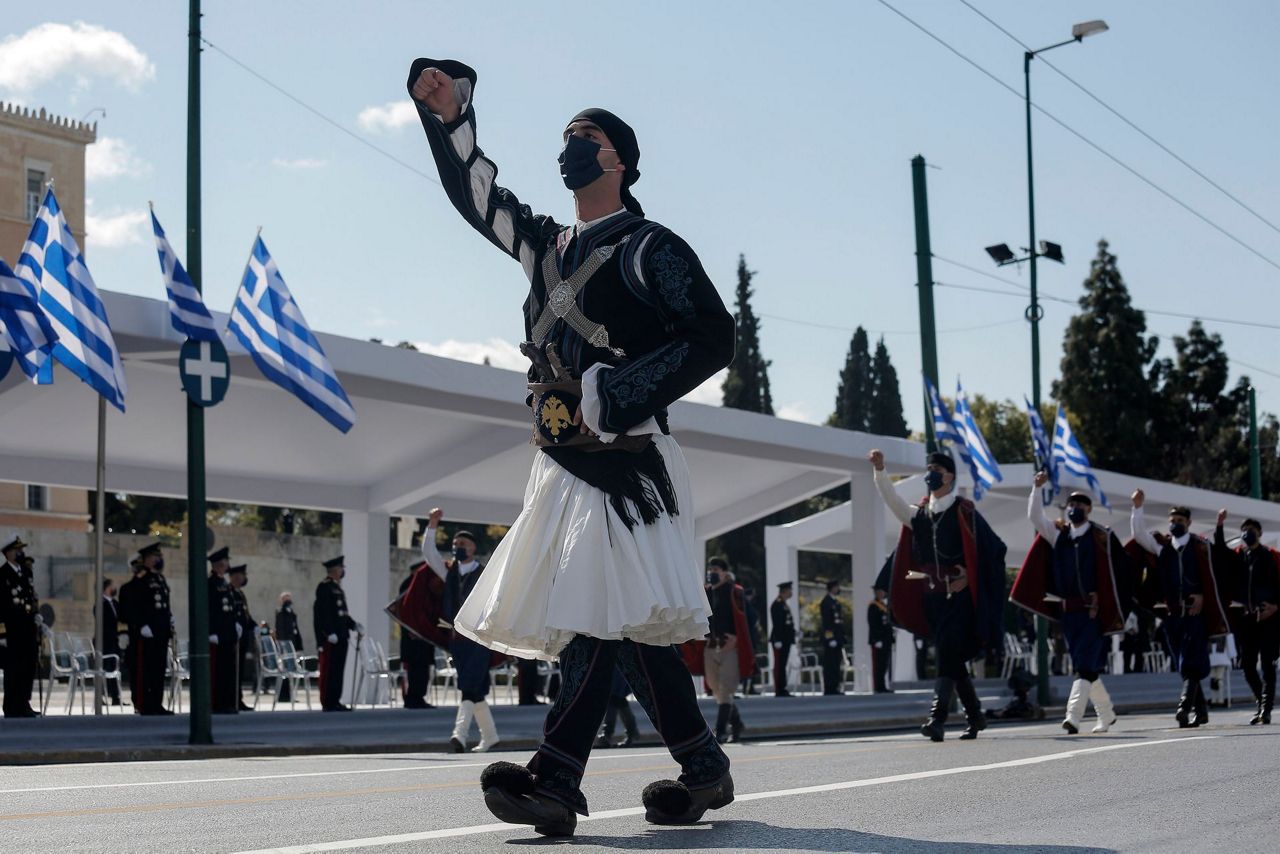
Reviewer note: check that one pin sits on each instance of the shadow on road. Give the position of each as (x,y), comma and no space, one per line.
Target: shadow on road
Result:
(758,836)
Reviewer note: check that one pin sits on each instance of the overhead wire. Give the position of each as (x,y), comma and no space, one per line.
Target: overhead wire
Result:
(1095,146)
(1115,112)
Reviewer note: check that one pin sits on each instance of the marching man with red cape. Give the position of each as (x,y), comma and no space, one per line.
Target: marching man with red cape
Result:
(947,584)
(1073,575)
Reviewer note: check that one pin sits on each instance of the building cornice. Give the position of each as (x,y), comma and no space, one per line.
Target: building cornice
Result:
(48,124)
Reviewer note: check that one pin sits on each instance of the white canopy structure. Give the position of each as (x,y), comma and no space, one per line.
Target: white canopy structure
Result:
(1005,509)
(430,432)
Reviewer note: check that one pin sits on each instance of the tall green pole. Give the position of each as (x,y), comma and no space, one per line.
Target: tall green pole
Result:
(924,286)
(1255,452)
(197,587)
(1033,315)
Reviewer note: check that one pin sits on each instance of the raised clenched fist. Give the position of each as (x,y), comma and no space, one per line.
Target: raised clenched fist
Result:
(1042,477)
(434,90)
(1222,516)
(877,459)
(433,520)
(1138,497)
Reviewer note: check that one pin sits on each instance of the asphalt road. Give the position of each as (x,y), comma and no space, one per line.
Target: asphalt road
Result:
(1142,787)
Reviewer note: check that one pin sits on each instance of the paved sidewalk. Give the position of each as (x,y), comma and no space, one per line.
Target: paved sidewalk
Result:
(128,737)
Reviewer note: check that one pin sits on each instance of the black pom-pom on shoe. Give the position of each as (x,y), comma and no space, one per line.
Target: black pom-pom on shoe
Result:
(509,777)
(667,797)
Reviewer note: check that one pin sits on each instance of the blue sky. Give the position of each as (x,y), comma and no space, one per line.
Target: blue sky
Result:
(782,131)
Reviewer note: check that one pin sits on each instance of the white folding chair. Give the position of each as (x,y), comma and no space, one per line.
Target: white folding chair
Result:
(372,666)
(269,668)
(447,674)
(62,666)
(811,671)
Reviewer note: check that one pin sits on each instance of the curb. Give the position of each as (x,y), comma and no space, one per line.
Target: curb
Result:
(244,751)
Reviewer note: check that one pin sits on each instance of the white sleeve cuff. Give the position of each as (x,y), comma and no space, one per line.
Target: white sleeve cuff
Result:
(591,407)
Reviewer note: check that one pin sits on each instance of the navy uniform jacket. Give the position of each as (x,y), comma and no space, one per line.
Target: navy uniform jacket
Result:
(330,613)
(222,610)
(880,627)
(782,625)
(144,601)
(287,627)
(832,621)
(18,607)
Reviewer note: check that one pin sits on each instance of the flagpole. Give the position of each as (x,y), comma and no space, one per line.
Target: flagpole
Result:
(197,514)
(99,514)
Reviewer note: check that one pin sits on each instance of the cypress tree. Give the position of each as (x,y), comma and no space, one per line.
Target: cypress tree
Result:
(886,417)
(857,386)
(747,384)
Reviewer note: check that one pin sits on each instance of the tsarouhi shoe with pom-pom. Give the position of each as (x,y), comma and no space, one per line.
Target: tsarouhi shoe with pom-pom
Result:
(509,793)
(672,802)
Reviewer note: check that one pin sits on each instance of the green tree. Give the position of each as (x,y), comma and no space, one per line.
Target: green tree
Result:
(886,417)
(1108,373)
(857,386)
(1003,424)
(747,384)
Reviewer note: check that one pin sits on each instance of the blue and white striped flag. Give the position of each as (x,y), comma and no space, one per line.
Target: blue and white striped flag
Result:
(944,428)
(23,324)
(187,311)
(982,463)
(271,327)
(52,264)
(1040,443)
(1068,453)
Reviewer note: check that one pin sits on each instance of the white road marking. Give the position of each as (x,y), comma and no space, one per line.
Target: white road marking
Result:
(399,769)
(476,830)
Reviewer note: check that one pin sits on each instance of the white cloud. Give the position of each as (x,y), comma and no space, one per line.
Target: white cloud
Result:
(501,354)
(390,116)
(108,231)
(48,51)
(110,157)
(709,392)
(299,163)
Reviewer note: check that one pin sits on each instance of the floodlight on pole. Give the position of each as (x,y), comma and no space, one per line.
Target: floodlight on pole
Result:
(1052,251)
(1088,28)
(1000,253)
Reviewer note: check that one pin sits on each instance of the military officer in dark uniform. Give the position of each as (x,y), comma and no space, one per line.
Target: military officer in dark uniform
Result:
(833,641)
(333,624)
(19,631)
(144,603)
(246,629)
(880,637)
(782,636)
(222,634)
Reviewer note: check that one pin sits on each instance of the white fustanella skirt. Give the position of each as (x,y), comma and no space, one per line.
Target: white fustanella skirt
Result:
(569,566)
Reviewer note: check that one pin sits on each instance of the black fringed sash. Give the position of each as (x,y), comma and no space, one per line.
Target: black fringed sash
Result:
(640,478)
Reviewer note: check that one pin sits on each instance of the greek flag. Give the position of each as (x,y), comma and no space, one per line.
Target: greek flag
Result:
(23,324)
(187,311)
(52,265)
(270,325)
(1068,454)
(944,428)
(1040,442)
(982,463)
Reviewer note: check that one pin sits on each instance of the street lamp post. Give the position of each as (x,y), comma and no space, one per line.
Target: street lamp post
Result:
(1002,255)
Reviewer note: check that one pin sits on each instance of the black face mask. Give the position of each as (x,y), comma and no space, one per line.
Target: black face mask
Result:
(287,606)
(578,164)
(460,554)
(1249,537)
(713,578)
(933,480)
(1177,529)
(159,566)
(1077,515)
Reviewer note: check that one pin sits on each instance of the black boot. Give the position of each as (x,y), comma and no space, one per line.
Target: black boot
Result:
(934,728)
(735,724)
(973,713)
(1185,702)
(1264,707)
(511,795)
(722,721)
(1201,706)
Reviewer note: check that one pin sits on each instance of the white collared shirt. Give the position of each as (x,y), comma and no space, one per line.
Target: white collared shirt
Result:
(1041,522)
(898,505)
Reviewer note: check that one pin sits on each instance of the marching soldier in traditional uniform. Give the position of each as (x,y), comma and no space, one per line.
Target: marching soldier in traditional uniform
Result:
(19,631)
(947,584)
(833,641)
(880,638)
(470,659)
(246,630)
(1188,591)
(222,635)
(333,625)
(144,604)
(782,636)
(727,653)
(1077,573)
(1252,573)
